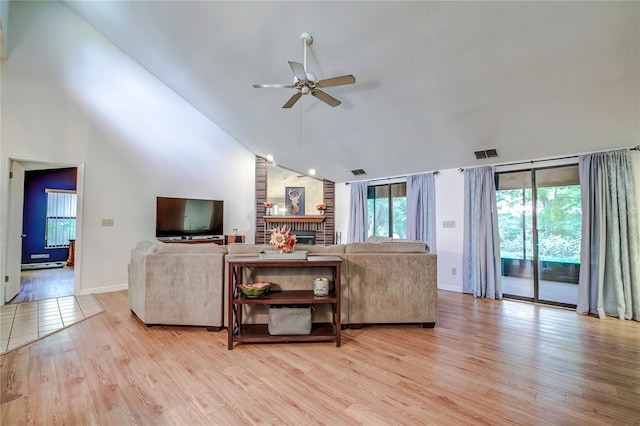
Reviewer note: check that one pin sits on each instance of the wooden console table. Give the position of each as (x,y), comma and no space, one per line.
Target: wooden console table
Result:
(239,332)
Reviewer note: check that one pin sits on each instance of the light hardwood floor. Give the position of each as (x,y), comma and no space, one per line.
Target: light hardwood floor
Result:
(485,362)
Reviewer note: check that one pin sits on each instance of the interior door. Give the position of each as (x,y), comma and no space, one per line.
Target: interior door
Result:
(14,240)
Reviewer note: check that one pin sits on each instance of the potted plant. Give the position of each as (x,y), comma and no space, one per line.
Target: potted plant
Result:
(321,208)
(267,208)
(283,239)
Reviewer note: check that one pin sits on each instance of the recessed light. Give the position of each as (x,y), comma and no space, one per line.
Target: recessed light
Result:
(269,157)
(312,172)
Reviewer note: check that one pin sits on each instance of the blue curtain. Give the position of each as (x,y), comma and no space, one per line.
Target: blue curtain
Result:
(609,281)
(481,251)
(421,209)
(358,221)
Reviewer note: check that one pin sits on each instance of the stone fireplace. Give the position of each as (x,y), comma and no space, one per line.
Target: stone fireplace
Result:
(322,226)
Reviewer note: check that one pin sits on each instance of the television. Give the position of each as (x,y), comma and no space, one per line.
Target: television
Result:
(187,218)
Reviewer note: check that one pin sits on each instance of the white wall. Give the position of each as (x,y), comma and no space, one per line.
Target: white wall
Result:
(449,241)
(341,209)
(70,96)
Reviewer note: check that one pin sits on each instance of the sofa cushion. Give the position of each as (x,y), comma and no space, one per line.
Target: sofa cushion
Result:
(379,239)
(317,249)
(396,246)
(148,246)
(244,249)
(196,248)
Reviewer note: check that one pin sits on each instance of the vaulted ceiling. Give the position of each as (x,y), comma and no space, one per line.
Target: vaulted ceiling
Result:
(435,81)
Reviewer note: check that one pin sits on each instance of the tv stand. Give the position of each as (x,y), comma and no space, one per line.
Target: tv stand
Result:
(217,240)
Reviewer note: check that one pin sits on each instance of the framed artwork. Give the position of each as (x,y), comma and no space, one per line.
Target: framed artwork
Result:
(294,200)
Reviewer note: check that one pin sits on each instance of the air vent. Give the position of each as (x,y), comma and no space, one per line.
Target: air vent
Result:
(487,153)
(358,172)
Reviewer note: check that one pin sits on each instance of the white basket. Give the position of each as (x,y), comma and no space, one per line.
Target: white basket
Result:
(289,319)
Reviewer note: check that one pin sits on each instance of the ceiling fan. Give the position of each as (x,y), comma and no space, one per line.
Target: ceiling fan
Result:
(306,83)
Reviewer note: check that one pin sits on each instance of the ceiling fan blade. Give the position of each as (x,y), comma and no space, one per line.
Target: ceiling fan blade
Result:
(292,100)
(336,81)
(330,100)
(273,86)
(298,70)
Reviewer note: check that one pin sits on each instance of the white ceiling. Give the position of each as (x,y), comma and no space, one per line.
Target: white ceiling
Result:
(436,81)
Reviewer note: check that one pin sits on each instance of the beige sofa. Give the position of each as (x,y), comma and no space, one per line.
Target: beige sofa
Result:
(177,284)
(382,282)
(392,282)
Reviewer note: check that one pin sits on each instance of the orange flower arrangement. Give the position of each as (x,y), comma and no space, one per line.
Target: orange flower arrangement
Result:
(267,204)
(283,239)
(321,206)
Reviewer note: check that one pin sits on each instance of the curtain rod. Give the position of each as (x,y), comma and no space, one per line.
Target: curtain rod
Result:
(388,178)
(635,148)
(524,162)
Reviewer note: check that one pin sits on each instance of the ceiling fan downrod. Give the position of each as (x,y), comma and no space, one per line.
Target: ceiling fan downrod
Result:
(307,39)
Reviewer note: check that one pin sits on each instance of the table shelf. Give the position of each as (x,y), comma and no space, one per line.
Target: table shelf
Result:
(259,333)
(285,297)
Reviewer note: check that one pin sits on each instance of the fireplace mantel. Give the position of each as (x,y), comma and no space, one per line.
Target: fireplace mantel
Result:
(294,219)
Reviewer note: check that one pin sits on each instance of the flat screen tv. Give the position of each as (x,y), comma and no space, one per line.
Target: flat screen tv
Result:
(186,218)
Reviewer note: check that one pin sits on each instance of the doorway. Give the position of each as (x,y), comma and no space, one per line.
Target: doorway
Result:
(46,272)
(539,220)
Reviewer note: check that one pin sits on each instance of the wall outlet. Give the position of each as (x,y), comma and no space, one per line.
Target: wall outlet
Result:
(449,224)
(454,271)
(107,222)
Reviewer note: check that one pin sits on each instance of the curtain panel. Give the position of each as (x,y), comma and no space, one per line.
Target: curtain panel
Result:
(357,232)
(421,209)
(609,282)
(481,250)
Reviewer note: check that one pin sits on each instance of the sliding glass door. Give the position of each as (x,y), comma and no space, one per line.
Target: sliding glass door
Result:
(540,247)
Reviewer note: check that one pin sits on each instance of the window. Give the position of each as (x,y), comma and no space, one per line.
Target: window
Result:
(61,218)
(387,210)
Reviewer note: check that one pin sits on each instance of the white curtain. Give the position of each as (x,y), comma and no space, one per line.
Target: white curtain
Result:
(421,209)
(610,248)
(481,251)
(358,213)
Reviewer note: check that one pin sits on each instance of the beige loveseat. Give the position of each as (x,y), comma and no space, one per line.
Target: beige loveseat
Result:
(177,284)
(392,282)
(382,282)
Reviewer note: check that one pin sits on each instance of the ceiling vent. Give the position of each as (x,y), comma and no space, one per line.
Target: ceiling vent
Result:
(358,172)
(487,153)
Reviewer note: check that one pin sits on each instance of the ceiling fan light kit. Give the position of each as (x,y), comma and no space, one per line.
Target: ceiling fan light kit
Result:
(306,83)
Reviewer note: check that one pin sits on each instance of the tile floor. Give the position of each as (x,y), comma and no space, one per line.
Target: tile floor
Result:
(27,322)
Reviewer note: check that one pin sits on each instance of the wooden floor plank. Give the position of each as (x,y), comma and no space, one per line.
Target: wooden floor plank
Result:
(38,284)
(16,407)
(485,362)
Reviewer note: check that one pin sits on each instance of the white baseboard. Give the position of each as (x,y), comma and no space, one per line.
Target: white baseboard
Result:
(446,287)
(108,289)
